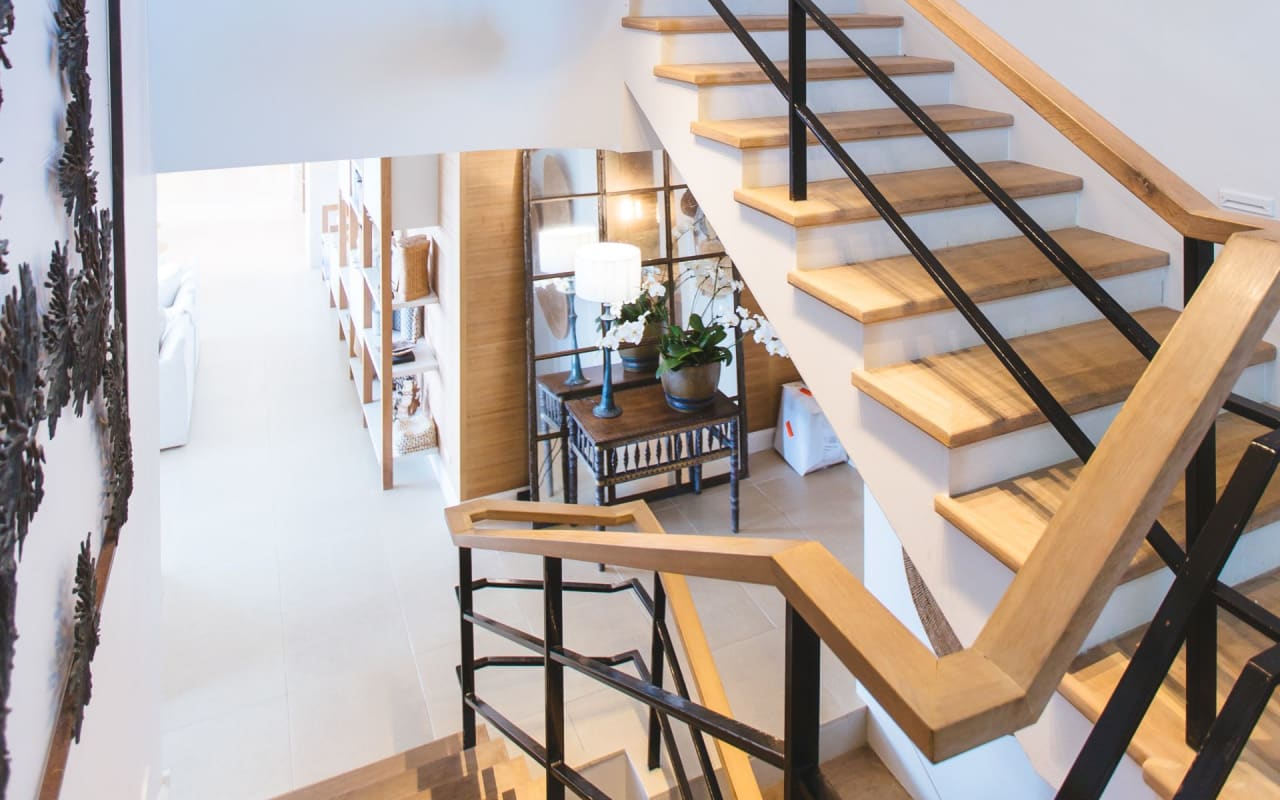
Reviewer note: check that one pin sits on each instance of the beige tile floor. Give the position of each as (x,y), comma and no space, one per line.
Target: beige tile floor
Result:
(310,624)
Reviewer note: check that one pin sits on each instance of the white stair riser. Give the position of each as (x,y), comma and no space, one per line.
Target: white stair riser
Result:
(852,94)
(701,8)
(831,245)
(1054,742)
(771,166)
(926,335)
(714,48)
(984,463)
(1136,602)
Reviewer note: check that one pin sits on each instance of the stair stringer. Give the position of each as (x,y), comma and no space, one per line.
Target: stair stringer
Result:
(903,467)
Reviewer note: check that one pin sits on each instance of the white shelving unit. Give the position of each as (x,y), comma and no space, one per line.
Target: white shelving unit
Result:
(357,256)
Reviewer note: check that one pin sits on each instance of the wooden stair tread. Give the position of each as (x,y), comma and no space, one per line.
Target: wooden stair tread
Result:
(753,22)
(838,200)
(385,768)
(1008,518)
(848,126)
(968,396)
(446,771)
(892,288)
(1159,744)
(821,69)
(501,781)
(856,775)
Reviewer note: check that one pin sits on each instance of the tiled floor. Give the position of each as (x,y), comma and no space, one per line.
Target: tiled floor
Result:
(310,624)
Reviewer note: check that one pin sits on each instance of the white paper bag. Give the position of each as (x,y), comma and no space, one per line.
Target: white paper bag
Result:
(803,436)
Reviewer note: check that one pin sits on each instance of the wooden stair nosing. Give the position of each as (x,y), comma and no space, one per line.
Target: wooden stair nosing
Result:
(385,768)
(848,126)
(1159,744)
(440,771)
(837,201)
(753,22)
(967,396)
(1007,518)
(739,73)
(893,288)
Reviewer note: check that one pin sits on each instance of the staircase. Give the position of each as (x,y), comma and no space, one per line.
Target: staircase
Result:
(441,770)
(954,453)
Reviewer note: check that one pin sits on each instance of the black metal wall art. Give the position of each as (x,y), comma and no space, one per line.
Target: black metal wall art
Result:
(59,345)
(21,465)
(21,411)
(90,308)
(84,639)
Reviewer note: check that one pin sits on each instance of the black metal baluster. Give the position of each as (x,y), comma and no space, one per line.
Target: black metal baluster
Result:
(1230,733)
(553,640)
(468,648)
(1159,647)
(798,62)
(1201,493)
(804,679)
(656,667)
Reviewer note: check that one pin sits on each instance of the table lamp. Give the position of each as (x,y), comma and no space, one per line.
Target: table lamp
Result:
(607,273)
(556,249)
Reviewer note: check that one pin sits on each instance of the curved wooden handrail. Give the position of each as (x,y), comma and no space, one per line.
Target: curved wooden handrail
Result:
(1173,199)
(1003,681)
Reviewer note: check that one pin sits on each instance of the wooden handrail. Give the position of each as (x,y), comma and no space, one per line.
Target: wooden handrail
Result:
(1003,681)
(1169,196)
(693,639)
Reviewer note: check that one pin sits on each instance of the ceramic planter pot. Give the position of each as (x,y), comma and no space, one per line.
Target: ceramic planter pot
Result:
(643,357)
(692,389)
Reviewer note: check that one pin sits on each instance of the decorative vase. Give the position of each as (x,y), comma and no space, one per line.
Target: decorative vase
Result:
(643,357)
(692,389)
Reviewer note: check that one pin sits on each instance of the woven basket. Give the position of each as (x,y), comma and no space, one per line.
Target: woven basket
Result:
(417,266)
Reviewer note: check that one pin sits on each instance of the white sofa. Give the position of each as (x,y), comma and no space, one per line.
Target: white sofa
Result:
(179,351)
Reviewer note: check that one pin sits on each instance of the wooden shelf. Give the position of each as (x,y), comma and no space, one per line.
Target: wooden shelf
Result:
(375,289)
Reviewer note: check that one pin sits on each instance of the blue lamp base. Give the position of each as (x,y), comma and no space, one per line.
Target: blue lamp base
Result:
(606,408)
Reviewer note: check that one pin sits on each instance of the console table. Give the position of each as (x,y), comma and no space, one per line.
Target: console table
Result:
(650,438)
(552,420)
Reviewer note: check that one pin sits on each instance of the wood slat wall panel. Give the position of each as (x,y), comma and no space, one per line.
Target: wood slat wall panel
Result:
(492,324)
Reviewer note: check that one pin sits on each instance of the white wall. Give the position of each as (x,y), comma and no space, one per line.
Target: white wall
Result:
(1186,80)
(272,81)
(119,744)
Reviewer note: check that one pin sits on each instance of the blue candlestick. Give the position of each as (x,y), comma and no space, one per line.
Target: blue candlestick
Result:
(606,408)
(576,378)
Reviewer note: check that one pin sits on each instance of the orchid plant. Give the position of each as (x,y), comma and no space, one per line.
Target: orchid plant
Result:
(648,307)
(707,337)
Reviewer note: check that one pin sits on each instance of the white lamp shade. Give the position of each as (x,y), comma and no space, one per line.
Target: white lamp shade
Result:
(607,272)
(557,246)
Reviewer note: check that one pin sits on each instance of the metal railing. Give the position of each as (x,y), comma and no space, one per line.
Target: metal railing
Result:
(796,754)
(1199,630)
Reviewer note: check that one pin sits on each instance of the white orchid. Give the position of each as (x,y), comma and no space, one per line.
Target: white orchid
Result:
(624,333)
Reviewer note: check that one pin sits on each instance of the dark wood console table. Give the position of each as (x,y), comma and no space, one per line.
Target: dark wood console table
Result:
(552,395)
(650,438)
